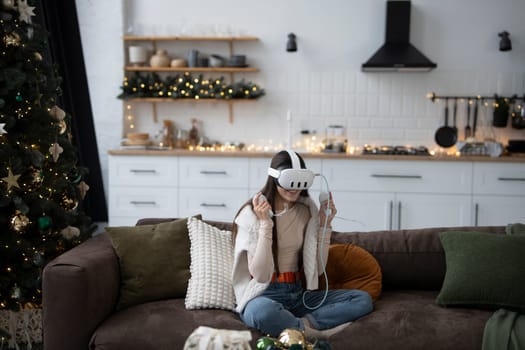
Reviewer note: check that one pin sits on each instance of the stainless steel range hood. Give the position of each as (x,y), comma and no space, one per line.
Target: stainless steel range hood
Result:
(397,54)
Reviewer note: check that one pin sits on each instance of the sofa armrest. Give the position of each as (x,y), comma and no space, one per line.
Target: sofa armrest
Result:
(79,290)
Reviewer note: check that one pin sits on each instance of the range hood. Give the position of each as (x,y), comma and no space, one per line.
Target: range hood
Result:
(397,54)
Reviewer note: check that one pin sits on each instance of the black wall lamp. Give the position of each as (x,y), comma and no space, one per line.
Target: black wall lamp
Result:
(291,45)
(504,43)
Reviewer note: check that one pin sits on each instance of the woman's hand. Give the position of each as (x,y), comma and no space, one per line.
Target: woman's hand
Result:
(328,204)
(261,208)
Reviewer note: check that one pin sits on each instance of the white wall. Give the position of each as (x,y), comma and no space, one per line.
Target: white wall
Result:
(322,83)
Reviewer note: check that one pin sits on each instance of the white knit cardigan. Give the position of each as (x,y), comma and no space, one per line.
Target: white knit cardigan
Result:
(247,288)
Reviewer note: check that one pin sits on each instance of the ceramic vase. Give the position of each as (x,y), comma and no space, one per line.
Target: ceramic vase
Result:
(160,59)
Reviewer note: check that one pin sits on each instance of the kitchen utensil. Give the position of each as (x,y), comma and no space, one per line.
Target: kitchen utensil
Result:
(475,118)
(468,131)
(446,136)
(454,115)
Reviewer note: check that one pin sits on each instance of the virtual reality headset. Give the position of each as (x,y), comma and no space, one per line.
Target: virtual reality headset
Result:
(294,178)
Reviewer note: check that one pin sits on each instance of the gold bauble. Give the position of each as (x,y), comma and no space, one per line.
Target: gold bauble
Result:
(291,336)
(12,39)
(19,222)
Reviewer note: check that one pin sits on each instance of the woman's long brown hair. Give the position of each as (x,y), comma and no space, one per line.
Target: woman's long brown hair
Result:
(280,161)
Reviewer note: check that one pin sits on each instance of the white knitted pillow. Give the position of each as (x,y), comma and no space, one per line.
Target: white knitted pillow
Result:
(211,255)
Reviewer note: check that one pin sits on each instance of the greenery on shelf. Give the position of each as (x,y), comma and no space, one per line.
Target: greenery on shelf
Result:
(41,186)
(186,86)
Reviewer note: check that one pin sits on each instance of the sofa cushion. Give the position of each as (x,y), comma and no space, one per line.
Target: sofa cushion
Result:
(483,270)
(160,325)
(154,261)
(352,267)
(211,254)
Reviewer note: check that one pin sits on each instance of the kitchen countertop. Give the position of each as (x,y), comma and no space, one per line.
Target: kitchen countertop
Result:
(515,158)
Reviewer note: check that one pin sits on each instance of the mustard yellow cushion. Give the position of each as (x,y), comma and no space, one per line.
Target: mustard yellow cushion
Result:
(352,267)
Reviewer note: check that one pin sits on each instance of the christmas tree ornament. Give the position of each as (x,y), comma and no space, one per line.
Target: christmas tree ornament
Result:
(37,178)
(10,4)
(16,292)
(2,129)
(291,336)
(55,151)
(83,188)
(57,113)
(38,56)
(11,180)
(68,203)
(70,232)
(19,98)
(264,342)
(25,11)
(19,222)
(44,222)
(63,127)
(12,39)
(38,259)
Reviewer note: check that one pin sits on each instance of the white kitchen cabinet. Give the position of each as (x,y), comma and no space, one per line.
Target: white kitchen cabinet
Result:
(498,194)
(417,210)
(381,194)
(369,194)
(212,203)
(498,210)
(142,186)
(215,187)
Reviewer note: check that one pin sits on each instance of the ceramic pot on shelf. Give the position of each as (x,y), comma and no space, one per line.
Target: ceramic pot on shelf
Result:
(137,55)
(160,59)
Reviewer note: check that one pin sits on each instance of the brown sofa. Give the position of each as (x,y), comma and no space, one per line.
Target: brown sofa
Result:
(81,287)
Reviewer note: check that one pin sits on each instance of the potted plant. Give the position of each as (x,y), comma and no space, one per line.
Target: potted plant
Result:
(501,111)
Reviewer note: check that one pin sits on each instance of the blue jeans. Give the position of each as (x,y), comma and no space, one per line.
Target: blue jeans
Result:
(281,306)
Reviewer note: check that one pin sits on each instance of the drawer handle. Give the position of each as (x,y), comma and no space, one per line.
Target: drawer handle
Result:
(211,172)
(143,202)
(141,171)
(213,205)
(387,176)
(511,178)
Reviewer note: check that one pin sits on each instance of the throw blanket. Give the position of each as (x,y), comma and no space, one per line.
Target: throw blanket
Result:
(505,330)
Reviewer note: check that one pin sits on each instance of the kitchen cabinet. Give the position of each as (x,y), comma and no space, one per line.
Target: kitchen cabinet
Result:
(382,195)
(142,186)
(498,194)
(154,42)
(211,186)
(370,194)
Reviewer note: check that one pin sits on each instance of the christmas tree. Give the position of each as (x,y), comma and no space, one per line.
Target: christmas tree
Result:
(41,185)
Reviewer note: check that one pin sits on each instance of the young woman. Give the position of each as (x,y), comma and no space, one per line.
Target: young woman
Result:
(280,240)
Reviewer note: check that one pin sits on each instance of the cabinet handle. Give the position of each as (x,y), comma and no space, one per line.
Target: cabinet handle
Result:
(213,205)
(388,176)
(476,214)
(511,178)
(391,209)
(143,202)
(140,171)
(212,172)
(399,216)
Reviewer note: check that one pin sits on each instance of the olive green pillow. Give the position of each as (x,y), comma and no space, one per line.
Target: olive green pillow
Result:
(154,261)
(484,270)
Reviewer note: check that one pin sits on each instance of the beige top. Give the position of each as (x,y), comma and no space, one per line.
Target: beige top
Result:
(290,234)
